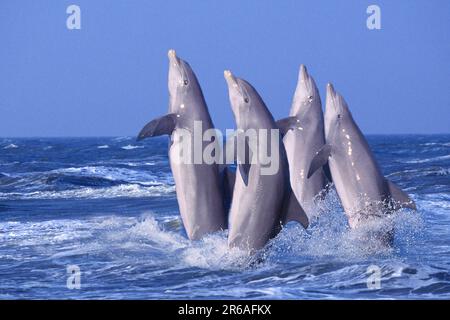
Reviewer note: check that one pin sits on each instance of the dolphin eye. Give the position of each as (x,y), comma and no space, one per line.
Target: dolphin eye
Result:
(339,116)
(185,82)
(246,100)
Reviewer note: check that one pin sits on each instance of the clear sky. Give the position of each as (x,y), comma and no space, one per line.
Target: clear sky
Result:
(110,77)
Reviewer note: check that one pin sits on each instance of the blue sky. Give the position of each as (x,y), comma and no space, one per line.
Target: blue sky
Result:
(110,77)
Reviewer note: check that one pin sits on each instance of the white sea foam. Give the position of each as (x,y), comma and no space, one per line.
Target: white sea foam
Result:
(120,139)
(446,157)
(445,144)
(11,146)
(131,147)
(120,191)
(116,174)
(105,146)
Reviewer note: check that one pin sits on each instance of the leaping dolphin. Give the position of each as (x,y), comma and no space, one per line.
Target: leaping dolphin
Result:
(261,202)
(364,192)
(304,136)
(198,185)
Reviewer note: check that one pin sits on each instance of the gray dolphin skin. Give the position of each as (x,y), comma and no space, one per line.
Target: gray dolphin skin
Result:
(304,136)
(198,185)
(261,202)
(364,192)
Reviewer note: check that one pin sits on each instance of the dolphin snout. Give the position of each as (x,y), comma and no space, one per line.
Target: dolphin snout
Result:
(173,57)
(303,73)
(230,78)
(330,90)
(331,98)
(171,54)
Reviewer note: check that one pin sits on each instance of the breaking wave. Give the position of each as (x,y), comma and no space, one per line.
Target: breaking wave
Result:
(440,158)
(11,146)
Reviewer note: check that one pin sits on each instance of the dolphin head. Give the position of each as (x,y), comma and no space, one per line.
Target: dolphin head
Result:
(243,97)
(182,81)
(306,96)
(337,114)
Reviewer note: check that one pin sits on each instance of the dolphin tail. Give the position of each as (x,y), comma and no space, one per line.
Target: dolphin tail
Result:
(320,160)
(159,126)
(399,198)
(293,211)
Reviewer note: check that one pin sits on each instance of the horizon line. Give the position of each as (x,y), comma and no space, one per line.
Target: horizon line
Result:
(131,136)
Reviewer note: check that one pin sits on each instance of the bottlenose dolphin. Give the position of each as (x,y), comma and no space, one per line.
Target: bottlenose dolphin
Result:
(364,192)
(198,185)
(261,202)
(304,136)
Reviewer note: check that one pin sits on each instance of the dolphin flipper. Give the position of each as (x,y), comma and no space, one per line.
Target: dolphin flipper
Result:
(327,171)
(245,164)
(319,160)
(400,198)
(228,177)
(158,127)
(287,124)
(243,159)
(244,169)
(294,211)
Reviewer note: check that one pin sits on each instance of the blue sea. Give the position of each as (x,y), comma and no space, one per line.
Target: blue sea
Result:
(108,206)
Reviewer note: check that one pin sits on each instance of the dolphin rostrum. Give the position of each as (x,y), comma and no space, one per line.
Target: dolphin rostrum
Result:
(364,192)
(262,200)
(304,136)
(198,184)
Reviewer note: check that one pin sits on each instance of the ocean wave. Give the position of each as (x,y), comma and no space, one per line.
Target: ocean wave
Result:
(105,146)
(139,164)
(131,147)
(113,174)
(436,171)
(439,158)
(444,144)
(323,259)
(11,146)
(120,191)
(120,139)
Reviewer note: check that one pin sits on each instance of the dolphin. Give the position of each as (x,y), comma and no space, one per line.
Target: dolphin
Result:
(303,136)
(364,192)
(198,184)
(261,202)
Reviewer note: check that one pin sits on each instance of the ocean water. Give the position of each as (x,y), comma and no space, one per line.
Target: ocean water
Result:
(108,206)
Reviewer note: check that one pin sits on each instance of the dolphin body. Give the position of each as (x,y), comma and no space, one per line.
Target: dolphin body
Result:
(199,186)
(261,202)
(304,136)
(364,192)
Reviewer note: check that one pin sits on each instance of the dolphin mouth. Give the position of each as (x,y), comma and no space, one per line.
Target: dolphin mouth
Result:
(230,78)
(331,96)
(306,84)
(178,64)
(233,84)
(172,56)
(304,76)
